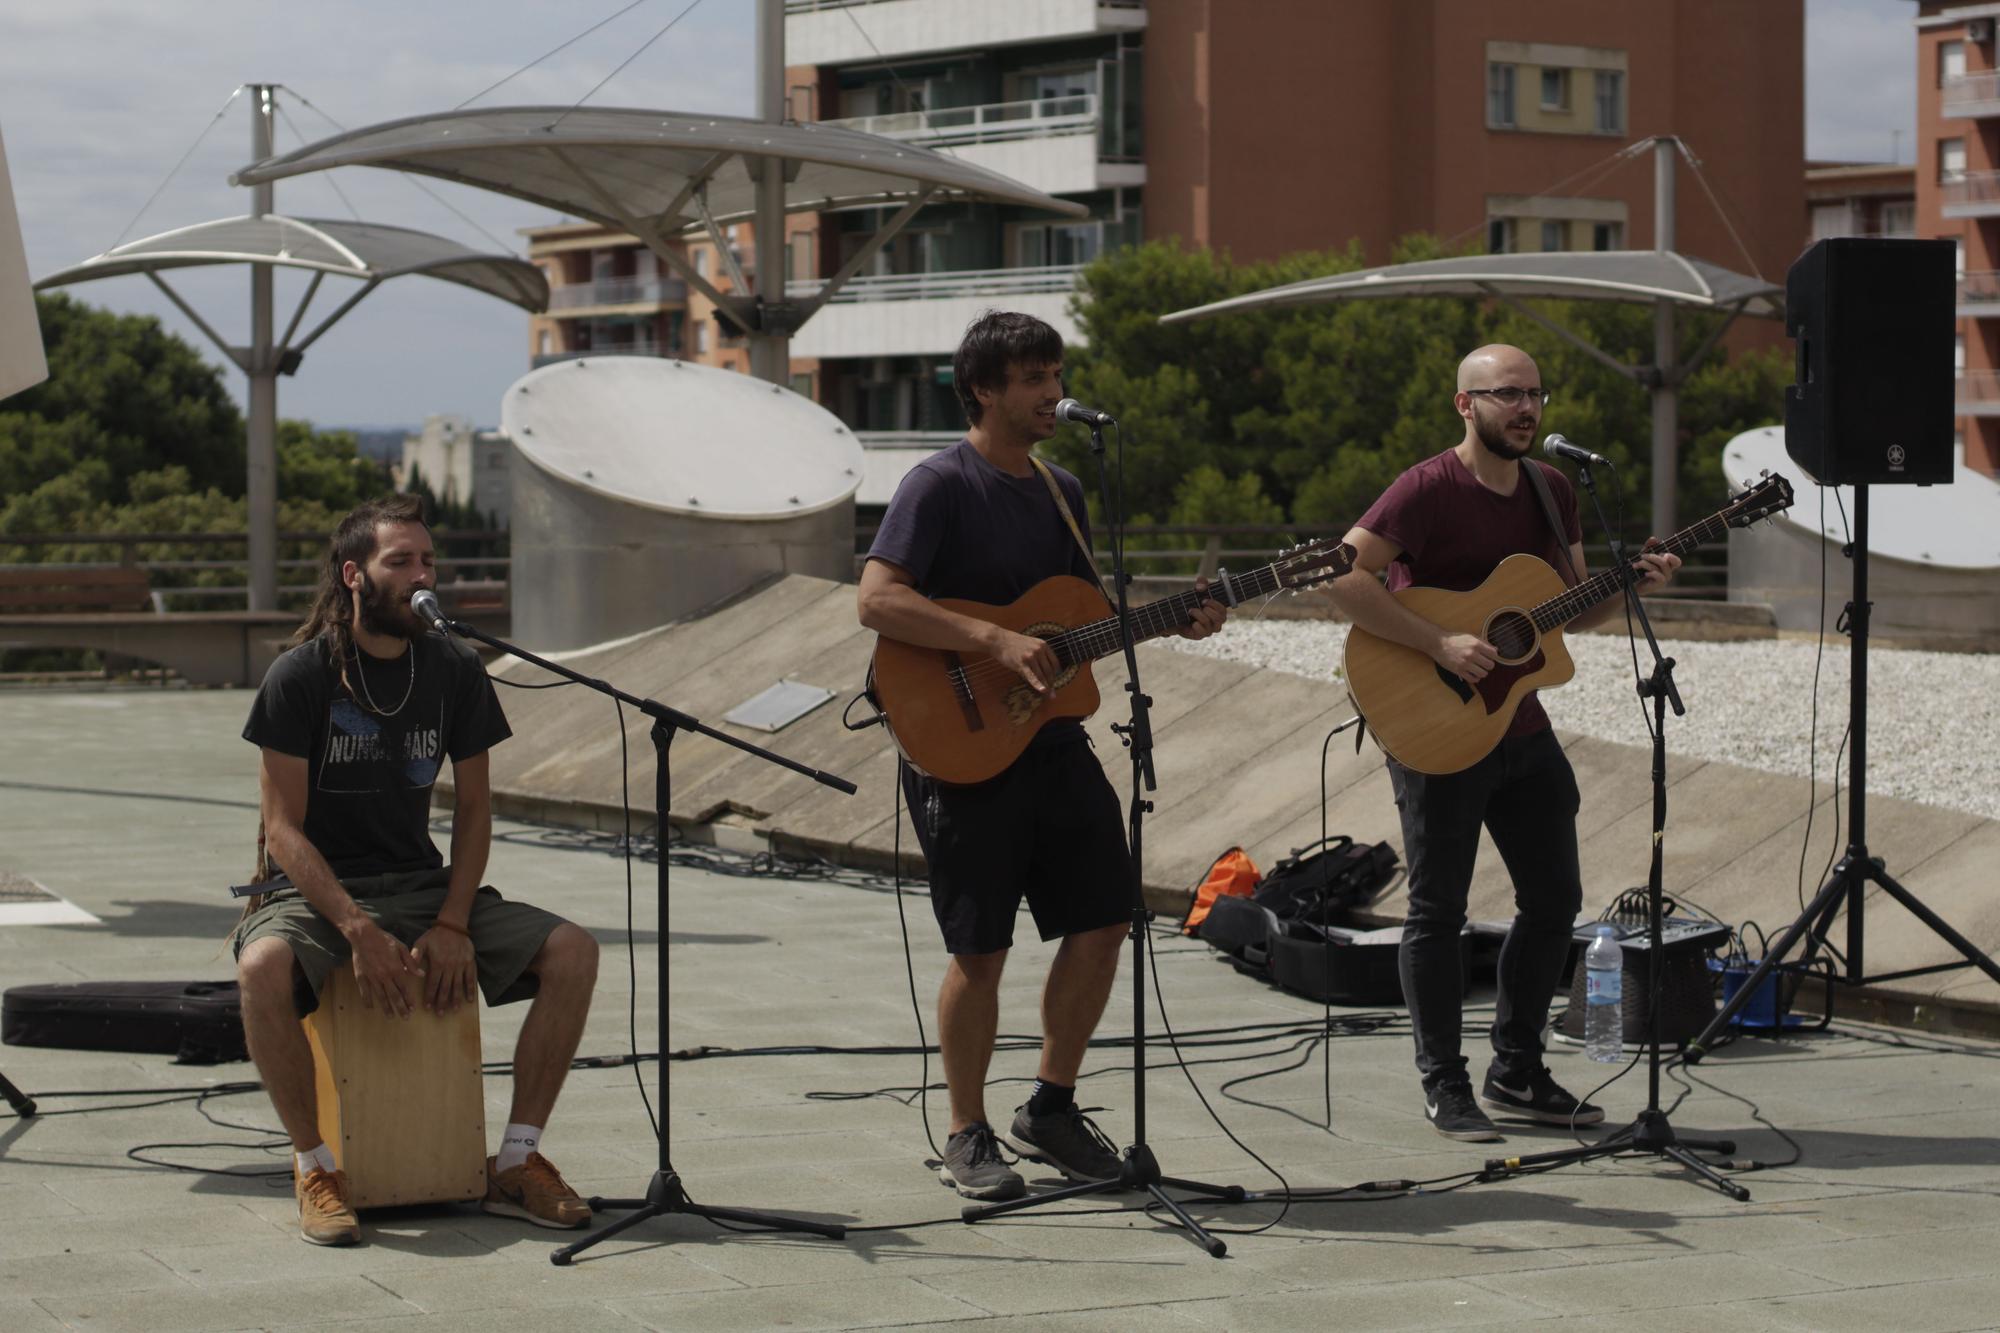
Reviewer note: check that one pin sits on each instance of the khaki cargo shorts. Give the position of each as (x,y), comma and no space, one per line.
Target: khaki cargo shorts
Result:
(505,935)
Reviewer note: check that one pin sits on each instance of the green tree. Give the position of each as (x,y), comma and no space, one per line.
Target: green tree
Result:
(124,392)
(1326,403)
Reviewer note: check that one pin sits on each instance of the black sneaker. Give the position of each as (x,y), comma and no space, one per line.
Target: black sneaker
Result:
(1067,1140)
(1454,1114)
(1537,1097)
(975,1168)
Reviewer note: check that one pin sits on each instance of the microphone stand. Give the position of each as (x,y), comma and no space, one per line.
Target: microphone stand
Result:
(1138,1169)
(664,1192)
(1650,1132)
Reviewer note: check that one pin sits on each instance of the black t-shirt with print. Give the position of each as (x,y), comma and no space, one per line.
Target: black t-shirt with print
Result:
(373,747)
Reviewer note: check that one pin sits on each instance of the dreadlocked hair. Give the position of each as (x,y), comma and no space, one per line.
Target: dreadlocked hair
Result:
(331,620)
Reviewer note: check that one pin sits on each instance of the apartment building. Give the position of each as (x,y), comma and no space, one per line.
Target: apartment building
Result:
(1273,127)
(1860,199)
(1958,198)
(1261,128)
(610,296)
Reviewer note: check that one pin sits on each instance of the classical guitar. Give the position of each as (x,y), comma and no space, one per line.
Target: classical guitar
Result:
(1433,721)
(964,719)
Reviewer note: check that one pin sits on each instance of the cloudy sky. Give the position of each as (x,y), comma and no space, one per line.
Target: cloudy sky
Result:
(99,99)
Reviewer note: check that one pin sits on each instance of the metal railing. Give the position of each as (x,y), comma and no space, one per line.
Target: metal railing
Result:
(469,560)
(1164,550)
(1977,388)
(1969,189)
(993,122)
(1979,288)
(1968,89)
(617,291)
(614,349)
(908,439)
(949,283)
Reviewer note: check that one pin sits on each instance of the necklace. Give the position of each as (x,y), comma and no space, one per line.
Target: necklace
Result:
(361,674)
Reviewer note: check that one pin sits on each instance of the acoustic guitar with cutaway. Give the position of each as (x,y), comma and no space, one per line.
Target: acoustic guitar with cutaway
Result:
(963,719)
(1434,721)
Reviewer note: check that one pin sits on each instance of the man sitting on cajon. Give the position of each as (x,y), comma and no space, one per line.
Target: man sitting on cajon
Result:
(353,722)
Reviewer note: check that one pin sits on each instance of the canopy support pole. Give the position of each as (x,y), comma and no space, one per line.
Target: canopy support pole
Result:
(261,489)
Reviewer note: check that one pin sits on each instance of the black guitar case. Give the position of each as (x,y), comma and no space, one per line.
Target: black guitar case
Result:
(196,1022)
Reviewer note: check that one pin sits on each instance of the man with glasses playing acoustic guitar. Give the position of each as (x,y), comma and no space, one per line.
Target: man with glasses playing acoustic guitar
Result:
(985,521)
(1446,524)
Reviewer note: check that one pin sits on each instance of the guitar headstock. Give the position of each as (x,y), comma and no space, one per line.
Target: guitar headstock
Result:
(1312,563)
(1768,496)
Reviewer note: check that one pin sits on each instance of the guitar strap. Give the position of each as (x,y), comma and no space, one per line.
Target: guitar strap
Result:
(1541,485)
(1069,519)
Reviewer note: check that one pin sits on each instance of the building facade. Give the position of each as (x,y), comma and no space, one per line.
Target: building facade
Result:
(1261,129)
(1958,198)
(461,465)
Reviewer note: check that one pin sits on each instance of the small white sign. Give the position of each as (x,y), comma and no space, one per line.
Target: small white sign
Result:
(778,707)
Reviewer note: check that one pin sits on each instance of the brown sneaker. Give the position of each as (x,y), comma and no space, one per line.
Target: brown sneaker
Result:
(324,1217)
(535,1192)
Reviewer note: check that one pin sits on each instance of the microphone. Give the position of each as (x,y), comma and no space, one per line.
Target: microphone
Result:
(1071,410)
(1555,446)
(425,603)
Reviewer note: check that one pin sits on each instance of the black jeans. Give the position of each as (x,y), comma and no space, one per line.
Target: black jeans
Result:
(1525,795)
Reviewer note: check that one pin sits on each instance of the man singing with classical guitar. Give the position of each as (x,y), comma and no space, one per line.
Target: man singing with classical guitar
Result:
(1446,523)
(986,521)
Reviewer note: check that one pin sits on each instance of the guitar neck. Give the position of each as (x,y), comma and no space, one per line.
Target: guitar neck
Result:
(1567,606)
(1100,638)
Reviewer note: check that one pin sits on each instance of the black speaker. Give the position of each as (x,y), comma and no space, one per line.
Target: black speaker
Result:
(1874,322)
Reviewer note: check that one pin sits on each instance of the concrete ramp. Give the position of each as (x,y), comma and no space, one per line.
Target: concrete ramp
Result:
(1238,760)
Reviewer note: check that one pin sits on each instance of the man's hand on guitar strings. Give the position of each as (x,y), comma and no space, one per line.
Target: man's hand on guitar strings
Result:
(1466,656)
(1655,567)
(1207,616)
(1027,656)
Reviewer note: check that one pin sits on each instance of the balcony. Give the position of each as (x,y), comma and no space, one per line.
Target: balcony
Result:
(577,299)
(1978,393)
(842,32)
(1056,144)
(1971,96)
(1969,194)
(919,314)
(1978,295)
(634,348)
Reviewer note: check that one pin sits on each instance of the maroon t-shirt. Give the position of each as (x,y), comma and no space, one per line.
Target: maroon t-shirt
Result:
(1453,531)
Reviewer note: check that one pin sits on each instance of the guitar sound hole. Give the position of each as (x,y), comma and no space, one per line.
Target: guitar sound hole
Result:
(1512,635)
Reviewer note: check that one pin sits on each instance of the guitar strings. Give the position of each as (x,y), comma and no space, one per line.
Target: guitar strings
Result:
(1101,637)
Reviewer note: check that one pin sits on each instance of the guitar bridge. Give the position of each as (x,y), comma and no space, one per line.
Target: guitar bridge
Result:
(961,690)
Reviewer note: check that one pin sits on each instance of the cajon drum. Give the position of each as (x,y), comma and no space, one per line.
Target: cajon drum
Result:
(401,1102)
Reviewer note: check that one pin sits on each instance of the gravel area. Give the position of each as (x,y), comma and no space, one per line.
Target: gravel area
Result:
(1933,718)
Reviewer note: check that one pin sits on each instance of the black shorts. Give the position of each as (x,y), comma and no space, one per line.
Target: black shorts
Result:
(1050,828)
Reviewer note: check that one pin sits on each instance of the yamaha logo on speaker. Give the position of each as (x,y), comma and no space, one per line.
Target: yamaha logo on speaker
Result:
(1896,457)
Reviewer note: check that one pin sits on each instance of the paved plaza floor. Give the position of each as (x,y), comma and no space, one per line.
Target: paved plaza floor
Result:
(139,808)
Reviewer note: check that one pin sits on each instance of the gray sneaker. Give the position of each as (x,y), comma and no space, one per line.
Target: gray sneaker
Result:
(1068,1140)
(974,1167)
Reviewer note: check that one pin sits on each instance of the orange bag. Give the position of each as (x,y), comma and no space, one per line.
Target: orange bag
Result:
(1233,875)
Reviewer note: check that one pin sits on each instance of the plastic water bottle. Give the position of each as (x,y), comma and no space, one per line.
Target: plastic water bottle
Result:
(1604,1016)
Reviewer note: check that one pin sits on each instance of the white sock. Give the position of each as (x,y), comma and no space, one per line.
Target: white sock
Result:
(319,1159)
(515,1145)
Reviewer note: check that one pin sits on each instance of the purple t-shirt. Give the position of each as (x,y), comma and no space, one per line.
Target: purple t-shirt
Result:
(1453,531)
(962,527)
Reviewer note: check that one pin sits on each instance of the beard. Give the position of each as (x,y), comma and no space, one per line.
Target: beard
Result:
(1494,437)
(382,613)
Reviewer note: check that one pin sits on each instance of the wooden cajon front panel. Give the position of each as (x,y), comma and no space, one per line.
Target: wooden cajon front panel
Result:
(401,1102)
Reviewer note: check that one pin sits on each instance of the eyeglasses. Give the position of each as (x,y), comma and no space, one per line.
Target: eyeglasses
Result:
(1511,396)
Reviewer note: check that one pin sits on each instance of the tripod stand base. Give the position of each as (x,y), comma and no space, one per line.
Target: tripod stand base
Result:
(665,1196)
(1138,1170)
(23,1104)
(1652,1133)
